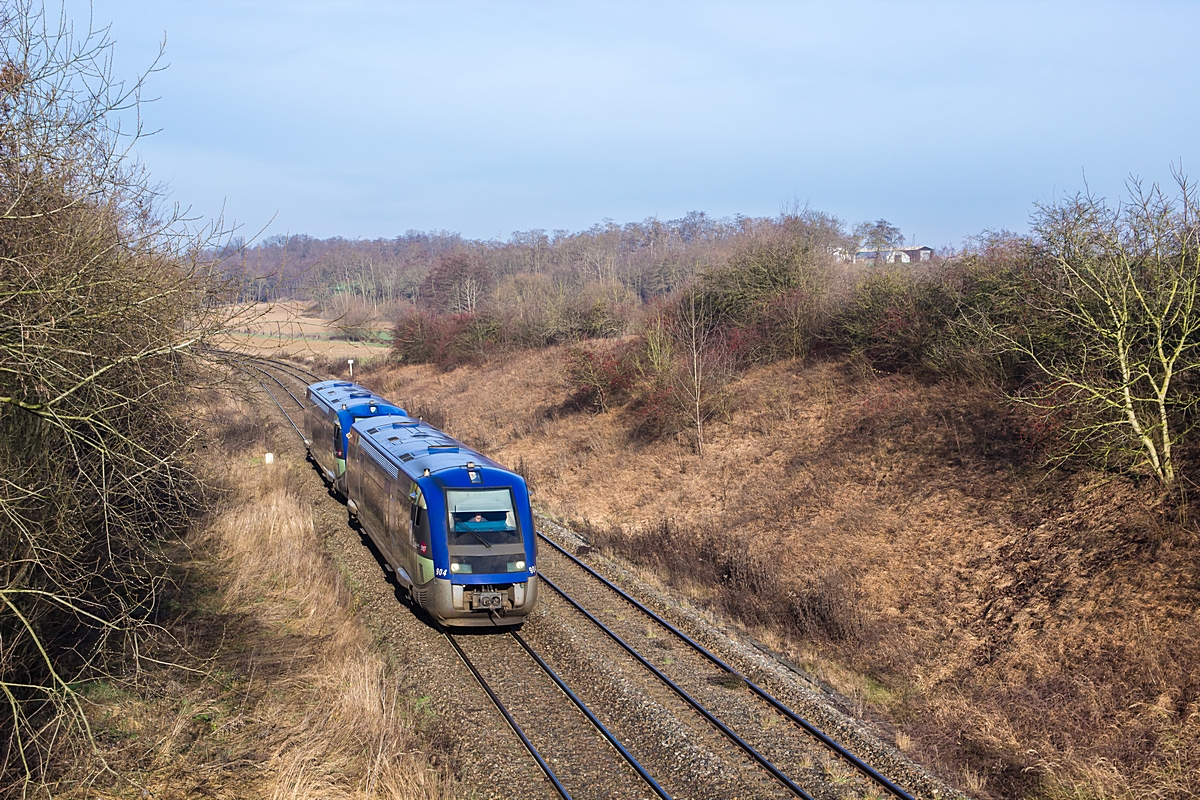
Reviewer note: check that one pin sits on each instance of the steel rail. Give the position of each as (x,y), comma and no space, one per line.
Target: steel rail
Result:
(811,729)
(240,360)
(289,365)
(512,723)
(267,389)
(221,351)
(287,370)
(299,402)
(587,712)
(687,698)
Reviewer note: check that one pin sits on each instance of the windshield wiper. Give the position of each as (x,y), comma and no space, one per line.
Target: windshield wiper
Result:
(482,540)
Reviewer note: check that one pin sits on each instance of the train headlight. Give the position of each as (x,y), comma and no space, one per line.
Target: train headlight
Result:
(457,568)
(516,566)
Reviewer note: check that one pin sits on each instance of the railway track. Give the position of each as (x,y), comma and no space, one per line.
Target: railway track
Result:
(534,691)
(644,709)
(722,673)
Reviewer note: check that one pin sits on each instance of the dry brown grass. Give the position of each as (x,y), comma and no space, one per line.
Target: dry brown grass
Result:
(277,692)
(1027,635)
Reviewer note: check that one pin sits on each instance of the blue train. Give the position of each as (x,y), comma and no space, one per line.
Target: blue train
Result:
(453,525)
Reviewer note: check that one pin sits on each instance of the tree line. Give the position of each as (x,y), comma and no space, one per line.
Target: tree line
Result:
(1087,322)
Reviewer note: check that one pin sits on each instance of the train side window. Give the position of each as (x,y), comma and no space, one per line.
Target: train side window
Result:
(374,505)
(337,442)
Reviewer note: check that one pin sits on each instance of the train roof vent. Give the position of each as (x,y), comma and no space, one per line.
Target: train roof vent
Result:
(412,423)
(443,448)
(406,457)
(393,438)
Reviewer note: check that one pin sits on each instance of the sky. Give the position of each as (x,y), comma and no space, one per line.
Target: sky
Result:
(369,119)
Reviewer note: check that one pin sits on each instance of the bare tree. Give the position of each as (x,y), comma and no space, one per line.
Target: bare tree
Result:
(460,282)
(879,235)
(697,335)
(1121,285)
(104,302)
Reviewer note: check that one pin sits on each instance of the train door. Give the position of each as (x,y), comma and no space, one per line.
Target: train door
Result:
(413,492)
(390,523)
(355,457)
(422,554)
(317,434)
(326,454)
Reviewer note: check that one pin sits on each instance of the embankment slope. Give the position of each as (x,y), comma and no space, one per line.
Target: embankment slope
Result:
(1024,633)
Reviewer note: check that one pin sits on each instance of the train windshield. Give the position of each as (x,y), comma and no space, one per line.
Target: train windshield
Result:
(482,516)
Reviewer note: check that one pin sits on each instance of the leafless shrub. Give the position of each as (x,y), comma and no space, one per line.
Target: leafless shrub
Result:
(525,470)
(354,319)
(103,300)
(750,584)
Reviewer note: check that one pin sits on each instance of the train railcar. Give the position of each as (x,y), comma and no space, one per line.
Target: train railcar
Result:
(453,525)
(333,407)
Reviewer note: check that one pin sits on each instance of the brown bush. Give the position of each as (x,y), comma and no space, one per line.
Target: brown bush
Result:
(597,376)
(745,581)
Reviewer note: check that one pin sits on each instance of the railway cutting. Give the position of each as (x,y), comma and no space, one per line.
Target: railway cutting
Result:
(599,694)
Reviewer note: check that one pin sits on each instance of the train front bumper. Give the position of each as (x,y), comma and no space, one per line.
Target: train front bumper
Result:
(478,605)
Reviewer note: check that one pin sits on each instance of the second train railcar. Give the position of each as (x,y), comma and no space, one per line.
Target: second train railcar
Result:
(333,407)
(454,525)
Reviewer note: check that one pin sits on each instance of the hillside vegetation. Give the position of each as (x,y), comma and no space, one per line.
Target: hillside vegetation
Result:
(957,489)
(1024,635)
(102,298)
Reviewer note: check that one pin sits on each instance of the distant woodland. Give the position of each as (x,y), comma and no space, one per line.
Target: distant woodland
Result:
(1089,323)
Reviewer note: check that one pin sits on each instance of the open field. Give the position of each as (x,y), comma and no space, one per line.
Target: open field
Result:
(287,329)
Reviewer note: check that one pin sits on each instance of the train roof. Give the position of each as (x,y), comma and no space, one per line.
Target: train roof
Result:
(336,394)
(415,446)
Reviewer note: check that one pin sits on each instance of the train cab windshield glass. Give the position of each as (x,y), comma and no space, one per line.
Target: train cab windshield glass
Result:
(482,516)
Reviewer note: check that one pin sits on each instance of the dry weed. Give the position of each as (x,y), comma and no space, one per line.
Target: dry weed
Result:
(291,702)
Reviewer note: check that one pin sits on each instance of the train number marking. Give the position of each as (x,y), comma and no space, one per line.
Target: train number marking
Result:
(441,573)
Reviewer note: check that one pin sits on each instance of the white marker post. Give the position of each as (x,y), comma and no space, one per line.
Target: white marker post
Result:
(350,361)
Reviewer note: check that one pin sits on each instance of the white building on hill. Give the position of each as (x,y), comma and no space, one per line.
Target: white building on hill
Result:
(900,255)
